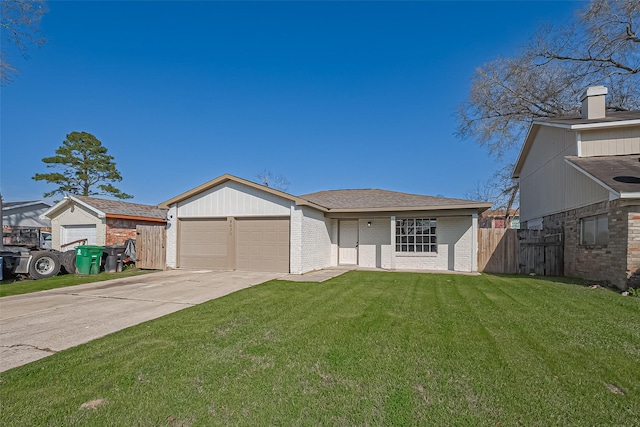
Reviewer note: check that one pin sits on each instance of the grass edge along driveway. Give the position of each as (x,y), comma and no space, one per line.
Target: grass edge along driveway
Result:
(18,287)
(365,348)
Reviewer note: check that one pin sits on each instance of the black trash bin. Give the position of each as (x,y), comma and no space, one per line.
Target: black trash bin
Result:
(113,261)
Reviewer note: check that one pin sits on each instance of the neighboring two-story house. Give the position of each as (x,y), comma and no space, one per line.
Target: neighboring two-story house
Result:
(580,178)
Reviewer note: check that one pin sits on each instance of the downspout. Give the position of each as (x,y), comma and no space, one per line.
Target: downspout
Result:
(474,243)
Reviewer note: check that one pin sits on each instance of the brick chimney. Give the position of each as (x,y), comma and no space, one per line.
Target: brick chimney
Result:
(593,106)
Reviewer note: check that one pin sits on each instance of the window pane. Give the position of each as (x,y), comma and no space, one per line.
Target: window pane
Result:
(602,230)
(588,231)
(434,248)
(410,232)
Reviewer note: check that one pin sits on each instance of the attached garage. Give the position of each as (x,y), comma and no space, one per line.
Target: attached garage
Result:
(249,244)
(262,244)
(203,243)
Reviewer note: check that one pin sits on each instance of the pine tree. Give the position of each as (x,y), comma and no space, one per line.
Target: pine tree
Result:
(86,168)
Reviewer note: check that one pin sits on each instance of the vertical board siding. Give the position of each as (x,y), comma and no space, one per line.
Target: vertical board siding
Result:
(234,199)
(610,142)
(150,247)
(498,250)
(509,251)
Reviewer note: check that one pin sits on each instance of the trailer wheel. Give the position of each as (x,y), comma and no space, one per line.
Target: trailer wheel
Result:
(44,265)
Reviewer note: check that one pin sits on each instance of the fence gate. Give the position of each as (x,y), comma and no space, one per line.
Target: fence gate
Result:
(510,251)
(150,247)
(542,254)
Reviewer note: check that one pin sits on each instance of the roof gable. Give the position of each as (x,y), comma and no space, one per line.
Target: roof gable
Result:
(226,178)
(367,200)
(613,119)
(17,205)
(105,208)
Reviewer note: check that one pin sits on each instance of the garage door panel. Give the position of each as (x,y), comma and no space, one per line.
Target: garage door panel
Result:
(74,233)
(263,244)
(203,243)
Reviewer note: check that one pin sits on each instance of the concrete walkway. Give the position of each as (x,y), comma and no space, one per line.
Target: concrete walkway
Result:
(36,325)
(318,275)
(331,272)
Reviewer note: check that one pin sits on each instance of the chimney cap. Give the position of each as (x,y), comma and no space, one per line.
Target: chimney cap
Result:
(594,91)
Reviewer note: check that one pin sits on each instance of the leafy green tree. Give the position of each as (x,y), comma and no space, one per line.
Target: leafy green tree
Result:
(87,169)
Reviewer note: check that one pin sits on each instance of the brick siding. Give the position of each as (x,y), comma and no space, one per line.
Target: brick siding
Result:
(614,262)
(120,230)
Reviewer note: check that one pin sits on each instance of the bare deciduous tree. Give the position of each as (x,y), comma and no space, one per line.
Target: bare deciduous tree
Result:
(600,47)
(501,190)
(269,179)
(19,25)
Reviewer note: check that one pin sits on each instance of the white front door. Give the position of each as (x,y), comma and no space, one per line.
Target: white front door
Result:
(348,243)
(74,233)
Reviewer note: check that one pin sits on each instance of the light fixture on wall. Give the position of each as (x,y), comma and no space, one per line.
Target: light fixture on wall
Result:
(369,224)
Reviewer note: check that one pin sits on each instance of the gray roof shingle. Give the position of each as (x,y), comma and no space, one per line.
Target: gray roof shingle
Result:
(381,199)
(118,207)
(621,173)
(611,116)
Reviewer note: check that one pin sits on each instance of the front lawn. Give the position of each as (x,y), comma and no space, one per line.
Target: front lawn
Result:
(16,287)
(365,348)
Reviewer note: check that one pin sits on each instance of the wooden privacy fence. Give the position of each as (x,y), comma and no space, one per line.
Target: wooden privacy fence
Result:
(150,247)
(509,251)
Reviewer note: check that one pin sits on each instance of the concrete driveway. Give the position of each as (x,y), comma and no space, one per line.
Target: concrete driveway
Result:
(33,326)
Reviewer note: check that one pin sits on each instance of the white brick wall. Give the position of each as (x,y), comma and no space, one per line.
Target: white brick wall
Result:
(315,241)
(455,248)
(374,243)
(172,238)
(295,241)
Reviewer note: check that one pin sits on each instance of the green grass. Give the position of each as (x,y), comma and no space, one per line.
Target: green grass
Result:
(366,348)
(17,287)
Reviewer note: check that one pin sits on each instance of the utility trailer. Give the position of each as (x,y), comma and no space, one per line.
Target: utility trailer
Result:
(37,264)
(32,260)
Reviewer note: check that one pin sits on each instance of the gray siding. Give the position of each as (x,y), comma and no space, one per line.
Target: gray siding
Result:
(610,142)
(548,184)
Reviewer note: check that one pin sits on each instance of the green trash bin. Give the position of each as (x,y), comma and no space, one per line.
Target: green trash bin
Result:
(88,259)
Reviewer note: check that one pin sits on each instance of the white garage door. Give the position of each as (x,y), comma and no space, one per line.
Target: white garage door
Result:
(80,234)
(203,244)
(263,244)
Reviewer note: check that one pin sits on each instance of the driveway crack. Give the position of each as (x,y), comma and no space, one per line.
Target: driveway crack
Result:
(130,299)
(34,347)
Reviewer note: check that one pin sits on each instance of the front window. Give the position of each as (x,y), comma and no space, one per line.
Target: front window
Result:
(594,230)
(416,235)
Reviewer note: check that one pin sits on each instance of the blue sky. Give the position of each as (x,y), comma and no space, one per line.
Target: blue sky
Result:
(328,94)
